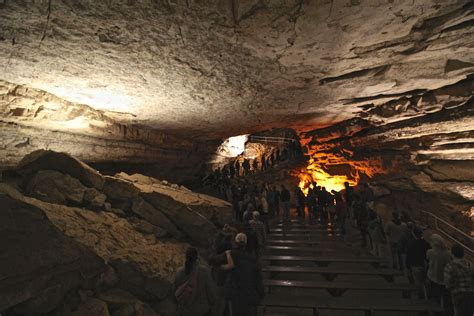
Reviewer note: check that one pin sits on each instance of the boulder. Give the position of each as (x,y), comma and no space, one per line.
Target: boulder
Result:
(146,211)
(137,278)
(94,198)
(39,266)
(92,307)
(122,303)
(215,210)
(120,193)
(55,187)
(61,162)
(193,224)
(143,267)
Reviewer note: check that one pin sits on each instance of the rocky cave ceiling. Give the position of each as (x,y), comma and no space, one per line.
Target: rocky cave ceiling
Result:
(210,69)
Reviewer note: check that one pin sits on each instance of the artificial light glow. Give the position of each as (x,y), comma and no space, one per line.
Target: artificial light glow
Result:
(233,146)
(330,167)
(77,123)
(100,99)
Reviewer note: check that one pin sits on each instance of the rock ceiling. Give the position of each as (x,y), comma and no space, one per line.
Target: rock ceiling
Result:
(223,67)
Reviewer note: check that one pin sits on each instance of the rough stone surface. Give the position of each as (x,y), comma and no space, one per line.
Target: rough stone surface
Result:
(122,303)
(61,162)
(215,210)
(55,187)
(92,307)
(180,65)
(144,268)
(146,211)
(53,265)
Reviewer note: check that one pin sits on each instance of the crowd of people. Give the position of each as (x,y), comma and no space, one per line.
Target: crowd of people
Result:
(235,286)
(242,166)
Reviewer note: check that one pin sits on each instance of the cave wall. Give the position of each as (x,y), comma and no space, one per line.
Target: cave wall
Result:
(422,161)
(32,119)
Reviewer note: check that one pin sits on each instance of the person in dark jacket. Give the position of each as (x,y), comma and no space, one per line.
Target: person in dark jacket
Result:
(245,286)
(285,200)
(416,261)
(194,288)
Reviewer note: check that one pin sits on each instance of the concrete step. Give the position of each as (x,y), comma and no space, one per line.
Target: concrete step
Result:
(367,306)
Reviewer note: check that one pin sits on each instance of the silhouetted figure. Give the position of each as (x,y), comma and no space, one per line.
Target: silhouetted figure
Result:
(263,163)
(246,166)
(300,198)
(260,231)
(349,198)
(278,154)
(362,219)
(237,167)
(245,285)
(194,288)
(372,225)
(416,262)
(285,200)
(394,230)
(459,280)
(277,200)
(438,257)
(272,159)
(254,165)
(231,170)
(310,200)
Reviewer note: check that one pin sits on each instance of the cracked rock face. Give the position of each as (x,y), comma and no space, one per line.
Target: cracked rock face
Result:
(224,67)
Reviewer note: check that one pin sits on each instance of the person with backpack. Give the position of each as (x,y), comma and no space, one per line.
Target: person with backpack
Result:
(245,285)
(194,289)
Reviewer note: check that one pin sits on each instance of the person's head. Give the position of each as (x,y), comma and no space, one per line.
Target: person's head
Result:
(283,187)
(372,216)
(418,233)
(410,226)
(457,251)
(395,215)
(346,184)
(256,215)
(324,189)
(437,241)
(191,258)
(241,240)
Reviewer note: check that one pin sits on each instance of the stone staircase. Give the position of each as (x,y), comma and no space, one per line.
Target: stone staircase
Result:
(311,270)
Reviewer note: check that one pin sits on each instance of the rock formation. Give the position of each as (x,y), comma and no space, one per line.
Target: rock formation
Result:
(114,260)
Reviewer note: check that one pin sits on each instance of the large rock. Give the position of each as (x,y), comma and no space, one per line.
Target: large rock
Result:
(56,187)
(122,303)
(215,210)
(155,217)
(120,193)
(38,264)
(92,307)
(192,223)
(64,163)
(144,268)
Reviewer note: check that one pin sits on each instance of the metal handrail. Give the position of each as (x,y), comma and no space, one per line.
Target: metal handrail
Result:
(274,138)
(471,239)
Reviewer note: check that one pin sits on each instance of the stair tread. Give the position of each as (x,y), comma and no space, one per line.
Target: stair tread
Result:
(391,304)
(340,285)
(302,269)
(323,259)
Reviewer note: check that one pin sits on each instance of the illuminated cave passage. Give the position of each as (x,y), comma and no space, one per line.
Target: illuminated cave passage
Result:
(132,130)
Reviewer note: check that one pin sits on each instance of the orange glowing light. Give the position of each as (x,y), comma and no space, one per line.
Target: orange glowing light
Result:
(331,167)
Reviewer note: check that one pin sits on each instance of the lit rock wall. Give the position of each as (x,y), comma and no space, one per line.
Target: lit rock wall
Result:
(422,161)
(32,119)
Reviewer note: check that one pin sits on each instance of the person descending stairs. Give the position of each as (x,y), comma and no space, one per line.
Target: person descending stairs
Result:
(311,270)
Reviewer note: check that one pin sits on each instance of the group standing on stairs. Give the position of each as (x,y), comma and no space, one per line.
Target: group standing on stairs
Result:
(236,284)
